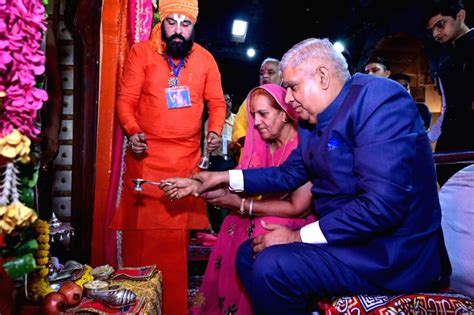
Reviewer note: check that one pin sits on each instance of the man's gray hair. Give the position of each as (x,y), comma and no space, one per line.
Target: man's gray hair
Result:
(316,48)
(267,60)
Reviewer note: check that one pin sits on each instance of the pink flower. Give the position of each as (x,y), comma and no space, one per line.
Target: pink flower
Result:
(22,23)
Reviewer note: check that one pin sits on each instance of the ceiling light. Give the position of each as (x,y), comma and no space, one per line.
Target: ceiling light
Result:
(239,30)
(339,47)
(251,52)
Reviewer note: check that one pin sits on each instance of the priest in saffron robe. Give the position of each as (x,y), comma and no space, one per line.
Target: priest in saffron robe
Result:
(165,83)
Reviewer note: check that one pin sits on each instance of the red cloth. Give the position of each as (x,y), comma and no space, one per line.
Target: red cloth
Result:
(110,237)
(168,250)
(90,306)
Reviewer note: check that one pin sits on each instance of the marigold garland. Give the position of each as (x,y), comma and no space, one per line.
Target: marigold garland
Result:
(39,285)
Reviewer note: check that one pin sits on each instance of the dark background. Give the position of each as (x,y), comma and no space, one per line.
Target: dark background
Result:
(275,26)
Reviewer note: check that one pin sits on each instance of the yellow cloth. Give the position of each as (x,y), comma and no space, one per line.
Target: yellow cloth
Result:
(150,290)
(240,123)
(168,7)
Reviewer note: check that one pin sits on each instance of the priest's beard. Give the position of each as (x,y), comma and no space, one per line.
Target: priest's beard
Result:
(178,50)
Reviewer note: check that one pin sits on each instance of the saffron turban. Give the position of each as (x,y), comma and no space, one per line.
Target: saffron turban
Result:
(168,7)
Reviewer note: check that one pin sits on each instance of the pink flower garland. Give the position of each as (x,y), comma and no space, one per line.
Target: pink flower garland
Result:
(22,23)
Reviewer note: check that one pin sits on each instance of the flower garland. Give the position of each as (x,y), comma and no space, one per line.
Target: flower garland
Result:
(15,145)
(22,23)
(39,285)
(15,214)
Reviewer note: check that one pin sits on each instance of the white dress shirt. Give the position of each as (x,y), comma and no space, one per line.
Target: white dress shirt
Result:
(310,233)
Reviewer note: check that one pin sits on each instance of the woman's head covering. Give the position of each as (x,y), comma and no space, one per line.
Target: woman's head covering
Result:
(278,94)
(165,9)
(256,150)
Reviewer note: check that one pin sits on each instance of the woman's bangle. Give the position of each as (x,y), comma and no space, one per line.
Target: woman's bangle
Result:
(251,207)
(242,207)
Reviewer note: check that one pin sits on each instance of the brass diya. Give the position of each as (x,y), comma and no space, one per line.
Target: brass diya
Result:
(91,287)
(102,272)
(139,182)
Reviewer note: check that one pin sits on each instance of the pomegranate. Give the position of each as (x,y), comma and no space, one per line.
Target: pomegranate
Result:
(54,303)
(73,293)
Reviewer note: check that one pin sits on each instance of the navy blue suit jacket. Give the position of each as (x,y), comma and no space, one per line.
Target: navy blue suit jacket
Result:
(374,184)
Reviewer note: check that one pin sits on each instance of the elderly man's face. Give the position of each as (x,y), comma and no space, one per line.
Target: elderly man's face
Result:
(269,73)
(305,93)
(178,34)
(375,68)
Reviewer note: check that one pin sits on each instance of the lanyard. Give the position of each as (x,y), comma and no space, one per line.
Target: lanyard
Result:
(173,81)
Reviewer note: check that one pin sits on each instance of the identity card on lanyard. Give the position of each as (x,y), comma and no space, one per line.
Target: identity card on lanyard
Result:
(177,96)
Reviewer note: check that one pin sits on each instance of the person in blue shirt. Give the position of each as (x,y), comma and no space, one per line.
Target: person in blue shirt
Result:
(367,154)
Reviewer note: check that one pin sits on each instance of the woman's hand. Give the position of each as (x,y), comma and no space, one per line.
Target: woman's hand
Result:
(222,198)
(177,187)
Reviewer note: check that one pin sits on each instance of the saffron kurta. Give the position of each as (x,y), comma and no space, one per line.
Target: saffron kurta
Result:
(155,231)
(173,135)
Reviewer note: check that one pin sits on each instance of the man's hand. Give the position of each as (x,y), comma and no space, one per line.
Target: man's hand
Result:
(210,180)
(222,198)
(177,187)
(137,143)
(278,234)
(213,142)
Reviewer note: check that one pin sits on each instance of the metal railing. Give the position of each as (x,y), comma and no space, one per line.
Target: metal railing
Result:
(461,157)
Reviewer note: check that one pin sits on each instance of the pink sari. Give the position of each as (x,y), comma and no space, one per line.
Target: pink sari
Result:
(221,291)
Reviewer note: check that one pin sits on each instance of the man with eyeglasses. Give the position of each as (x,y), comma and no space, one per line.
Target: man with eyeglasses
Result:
(445,23)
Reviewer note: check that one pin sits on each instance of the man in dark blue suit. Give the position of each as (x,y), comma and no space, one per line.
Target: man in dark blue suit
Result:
(367,154)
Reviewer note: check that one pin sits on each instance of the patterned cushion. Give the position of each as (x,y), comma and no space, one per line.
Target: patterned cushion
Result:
(420,303)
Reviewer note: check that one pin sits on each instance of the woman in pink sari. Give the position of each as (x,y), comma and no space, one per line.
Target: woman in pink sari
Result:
(271,138)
